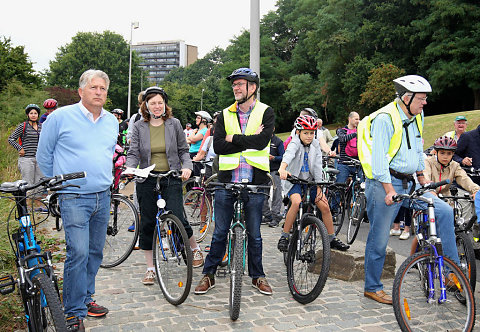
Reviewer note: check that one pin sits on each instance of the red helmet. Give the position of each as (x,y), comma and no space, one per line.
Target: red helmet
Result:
(50,103)
(306,122)
(445,143)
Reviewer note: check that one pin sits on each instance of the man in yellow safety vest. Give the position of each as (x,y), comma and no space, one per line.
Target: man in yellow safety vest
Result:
(242,141)
(390,149)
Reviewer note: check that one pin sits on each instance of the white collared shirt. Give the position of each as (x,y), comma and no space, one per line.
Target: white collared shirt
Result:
(89,114)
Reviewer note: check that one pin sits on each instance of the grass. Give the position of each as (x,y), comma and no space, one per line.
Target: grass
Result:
(434,126)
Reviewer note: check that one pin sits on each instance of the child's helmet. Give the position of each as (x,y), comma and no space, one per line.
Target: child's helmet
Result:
(306,122)
(445,143)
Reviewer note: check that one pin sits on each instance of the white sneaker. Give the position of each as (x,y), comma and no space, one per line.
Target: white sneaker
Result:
(149,278)
(197,258)
(405,235)
(395,232)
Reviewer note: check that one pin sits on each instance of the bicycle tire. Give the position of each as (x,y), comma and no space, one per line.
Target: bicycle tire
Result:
(355,217)
(173,259)
(413,309)
(466,255)
(47,309)
(197,206)
(187,185)
(307,274)
(337,201)
(58,223)
(119,242)
(236,273)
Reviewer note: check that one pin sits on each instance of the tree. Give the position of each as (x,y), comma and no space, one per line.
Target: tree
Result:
(107,51)
(15,64)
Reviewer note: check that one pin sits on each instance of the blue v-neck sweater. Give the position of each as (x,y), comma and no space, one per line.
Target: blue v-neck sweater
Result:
(70,142)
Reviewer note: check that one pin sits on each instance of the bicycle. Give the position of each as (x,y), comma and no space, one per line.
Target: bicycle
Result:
(308,253)
(172,256)
(462,229)
(358,212)
(37,283)
(426,281)
(237,240)
(198,206)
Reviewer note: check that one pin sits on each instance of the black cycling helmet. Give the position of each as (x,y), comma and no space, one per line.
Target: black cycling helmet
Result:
(32,107)
(245,73)
(155,90)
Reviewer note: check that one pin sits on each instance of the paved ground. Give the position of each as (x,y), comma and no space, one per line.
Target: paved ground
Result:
(135,307)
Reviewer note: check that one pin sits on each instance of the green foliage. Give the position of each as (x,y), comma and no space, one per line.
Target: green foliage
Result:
(15,65)
(379,89)
(107,51)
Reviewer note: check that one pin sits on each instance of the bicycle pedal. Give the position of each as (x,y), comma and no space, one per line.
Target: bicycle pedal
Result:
(7,285)
(221,273)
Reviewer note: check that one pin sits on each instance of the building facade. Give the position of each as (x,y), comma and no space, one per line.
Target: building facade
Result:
(159,58)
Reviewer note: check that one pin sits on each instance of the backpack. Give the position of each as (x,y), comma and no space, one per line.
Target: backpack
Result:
(285,144)
(23,133)
(351,147)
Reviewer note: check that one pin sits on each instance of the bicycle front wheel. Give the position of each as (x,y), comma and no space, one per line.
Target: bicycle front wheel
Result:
(337,201)
(47,309)
(236,271)
(122,232)
(355,217)
(308,260)
(467,258)
(198,211)
(172,258)
(417,299)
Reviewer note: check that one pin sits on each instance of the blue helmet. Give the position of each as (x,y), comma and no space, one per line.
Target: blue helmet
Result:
(245,73)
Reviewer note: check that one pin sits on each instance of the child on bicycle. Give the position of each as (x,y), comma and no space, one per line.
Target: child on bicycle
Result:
(440,166)
(303,158)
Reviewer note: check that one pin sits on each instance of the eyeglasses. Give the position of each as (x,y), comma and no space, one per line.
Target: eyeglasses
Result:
(421,99)
(234,85)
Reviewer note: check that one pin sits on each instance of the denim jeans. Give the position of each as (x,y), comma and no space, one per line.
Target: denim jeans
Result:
(381,217)
(85,219)
(224,203)
(345,171)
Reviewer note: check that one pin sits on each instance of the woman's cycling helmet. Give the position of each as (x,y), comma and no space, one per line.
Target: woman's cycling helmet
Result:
(311,111)
(117,111)
(156,90)
(50,103)
(204,115)
(306,122)
(32,107)
(445,143)
(245,73)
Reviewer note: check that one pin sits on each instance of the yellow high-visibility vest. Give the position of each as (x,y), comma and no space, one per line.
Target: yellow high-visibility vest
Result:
(364,138)
(255,158)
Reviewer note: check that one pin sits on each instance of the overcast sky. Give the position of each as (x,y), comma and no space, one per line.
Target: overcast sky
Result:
(44,26)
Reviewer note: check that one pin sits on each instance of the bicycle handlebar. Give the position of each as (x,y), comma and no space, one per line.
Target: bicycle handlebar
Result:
(420,191)
(239,186)
(295,180)
(49,182)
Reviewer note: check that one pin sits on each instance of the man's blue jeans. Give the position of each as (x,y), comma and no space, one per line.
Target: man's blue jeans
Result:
(224,202)
(381,217)
(85,219)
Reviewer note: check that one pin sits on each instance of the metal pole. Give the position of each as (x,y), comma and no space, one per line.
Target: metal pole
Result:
(133,25)
(201,101)
(255,38)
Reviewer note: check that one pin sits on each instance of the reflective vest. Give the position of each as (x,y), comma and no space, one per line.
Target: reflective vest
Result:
(255,158)
(364,138)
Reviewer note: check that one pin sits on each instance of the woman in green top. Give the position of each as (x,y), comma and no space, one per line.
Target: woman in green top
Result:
(159,140)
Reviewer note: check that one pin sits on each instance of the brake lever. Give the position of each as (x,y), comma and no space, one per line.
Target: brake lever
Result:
(56,188)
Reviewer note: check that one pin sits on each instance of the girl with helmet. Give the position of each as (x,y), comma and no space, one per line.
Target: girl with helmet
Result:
(195,141)
(303,158)
(49,105)
(159,140)
(27,133)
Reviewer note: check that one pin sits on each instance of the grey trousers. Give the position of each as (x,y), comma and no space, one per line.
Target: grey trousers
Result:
(276,210)
(29,169)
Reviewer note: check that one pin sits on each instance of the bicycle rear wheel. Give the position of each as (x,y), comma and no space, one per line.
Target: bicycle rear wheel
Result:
(337,201)
(355,217)
(198,211)
(122,232)
(308,260)
(236,271)
(467,258)
(47,312)
(172,258)
(416,295)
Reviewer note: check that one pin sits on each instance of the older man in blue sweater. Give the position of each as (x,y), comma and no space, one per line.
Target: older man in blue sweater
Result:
(82,137)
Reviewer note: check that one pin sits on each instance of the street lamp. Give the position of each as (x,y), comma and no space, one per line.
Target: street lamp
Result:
(133,25)
(201,101)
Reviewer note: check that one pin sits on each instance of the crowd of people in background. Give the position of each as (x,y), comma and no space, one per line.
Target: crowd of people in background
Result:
(240,145)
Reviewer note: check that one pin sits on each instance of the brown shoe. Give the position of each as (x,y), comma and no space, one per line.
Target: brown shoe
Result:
(205,285)
(149,278)
(262,285)
(379,296)
(197,258)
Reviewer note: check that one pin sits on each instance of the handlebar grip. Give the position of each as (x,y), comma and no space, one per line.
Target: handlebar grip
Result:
(72,176)
(437,184)
(395,198)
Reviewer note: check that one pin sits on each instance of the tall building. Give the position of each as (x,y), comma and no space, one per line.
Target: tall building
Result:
(159,58)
